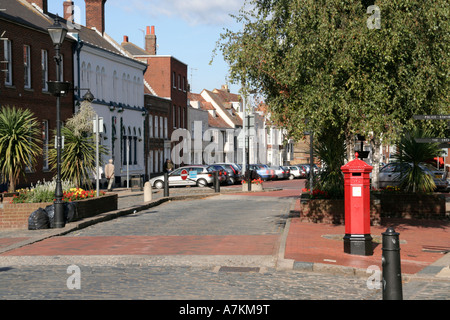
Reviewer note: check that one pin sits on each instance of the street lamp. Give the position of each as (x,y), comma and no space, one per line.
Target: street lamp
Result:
(58,88)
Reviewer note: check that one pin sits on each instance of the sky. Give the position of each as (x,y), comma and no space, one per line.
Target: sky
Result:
(185,29)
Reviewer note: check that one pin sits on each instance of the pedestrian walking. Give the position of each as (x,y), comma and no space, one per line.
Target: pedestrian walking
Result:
(109,173)
(168,166)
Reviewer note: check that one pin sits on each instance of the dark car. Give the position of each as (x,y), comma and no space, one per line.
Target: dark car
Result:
(233,172)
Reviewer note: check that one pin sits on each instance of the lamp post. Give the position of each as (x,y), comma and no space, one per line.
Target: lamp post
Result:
(58,88)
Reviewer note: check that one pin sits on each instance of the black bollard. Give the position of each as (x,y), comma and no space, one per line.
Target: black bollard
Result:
(216,181)
(166,184)
(392,275)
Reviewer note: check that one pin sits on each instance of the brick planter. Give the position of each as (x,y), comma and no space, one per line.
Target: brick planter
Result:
(409,206)
(255,187)
(15,215)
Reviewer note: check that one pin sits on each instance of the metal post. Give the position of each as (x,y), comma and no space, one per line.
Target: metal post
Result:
(97,178)
(166,184)
(59,221)
(128,163)
(216,181)
(311,162)
(392,275)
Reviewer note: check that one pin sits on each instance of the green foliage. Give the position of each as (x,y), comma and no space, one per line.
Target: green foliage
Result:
(19,144)
(330,148)
(318,60)
(78,155)
(410,152)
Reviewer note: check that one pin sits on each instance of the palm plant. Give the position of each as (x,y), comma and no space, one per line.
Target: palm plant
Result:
(330,148)
(19,147)
(412,153)
(78,156)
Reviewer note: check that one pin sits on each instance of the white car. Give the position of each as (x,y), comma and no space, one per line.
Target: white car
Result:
(195,175)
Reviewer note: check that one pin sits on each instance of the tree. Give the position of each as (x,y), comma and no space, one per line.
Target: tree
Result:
(319,60)
(19,143)
(78,156)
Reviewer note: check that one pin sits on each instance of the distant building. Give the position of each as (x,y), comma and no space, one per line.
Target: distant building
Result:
(166,90)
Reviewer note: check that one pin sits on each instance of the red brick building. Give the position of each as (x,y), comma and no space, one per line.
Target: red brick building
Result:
(28,54)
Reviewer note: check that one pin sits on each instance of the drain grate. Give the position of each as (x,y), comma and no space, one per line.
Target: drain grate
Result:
(238,269)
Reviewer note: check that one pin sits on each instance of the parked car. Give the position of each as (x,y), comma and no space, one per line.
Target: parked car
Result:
(223,176)
(234,174)
(279,172)
(306,166)
(262,170)
(297,172)
(198,175)
(390,175)
(287,172)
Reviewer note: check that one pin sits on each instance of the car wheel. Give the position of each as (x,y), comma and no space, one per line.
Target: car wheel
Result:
(201,183)
(232,180)
(291,177)
(159,184)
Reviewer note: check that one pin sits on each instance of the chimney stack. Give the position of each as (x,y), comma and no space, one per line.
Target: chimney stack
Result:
(40,3)
(68,11)
(125,39)
(95,14)
(150,41)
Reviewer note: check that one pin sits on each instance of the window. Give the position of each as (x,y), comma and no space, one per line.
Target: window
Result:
(150,125)
(156,127)
(8,62)
(165,128)
(83,74)
(184,84)
(115,80)
(44,65)
(27,66)
(174,80)
(98,85)
(161,127)
(179,82)
(174,116)
(45,144)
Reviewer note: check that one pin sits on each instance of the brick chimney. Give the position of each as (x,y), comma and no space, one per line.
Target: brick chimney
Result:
(150,41)
(95,14)
(68,10)
(40,3)
(125,39)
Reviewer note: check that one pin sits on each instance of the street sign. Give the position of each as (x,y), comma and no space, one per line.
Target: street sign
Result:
(184,174)
(193,174)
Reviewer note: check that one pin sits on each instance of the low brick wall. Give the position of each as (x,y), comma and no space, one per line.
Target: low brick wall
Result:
(332,211)
(15,215)
(407,206)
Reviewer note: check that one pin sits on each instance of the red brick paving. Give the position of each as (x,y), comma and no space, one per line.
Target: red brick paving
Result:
(153,245)
(306,243)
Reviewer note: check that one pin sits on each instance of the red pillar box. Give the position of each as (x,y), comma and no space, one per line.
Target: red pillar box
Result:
(357,239)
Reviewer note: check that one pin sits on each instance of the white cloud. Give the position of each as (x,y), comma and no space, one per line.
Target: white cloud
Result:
(206,12)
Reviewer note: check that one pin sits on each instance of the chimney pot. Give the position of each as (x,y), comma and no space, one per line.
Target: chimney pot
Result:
(125,38)
(150,41)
